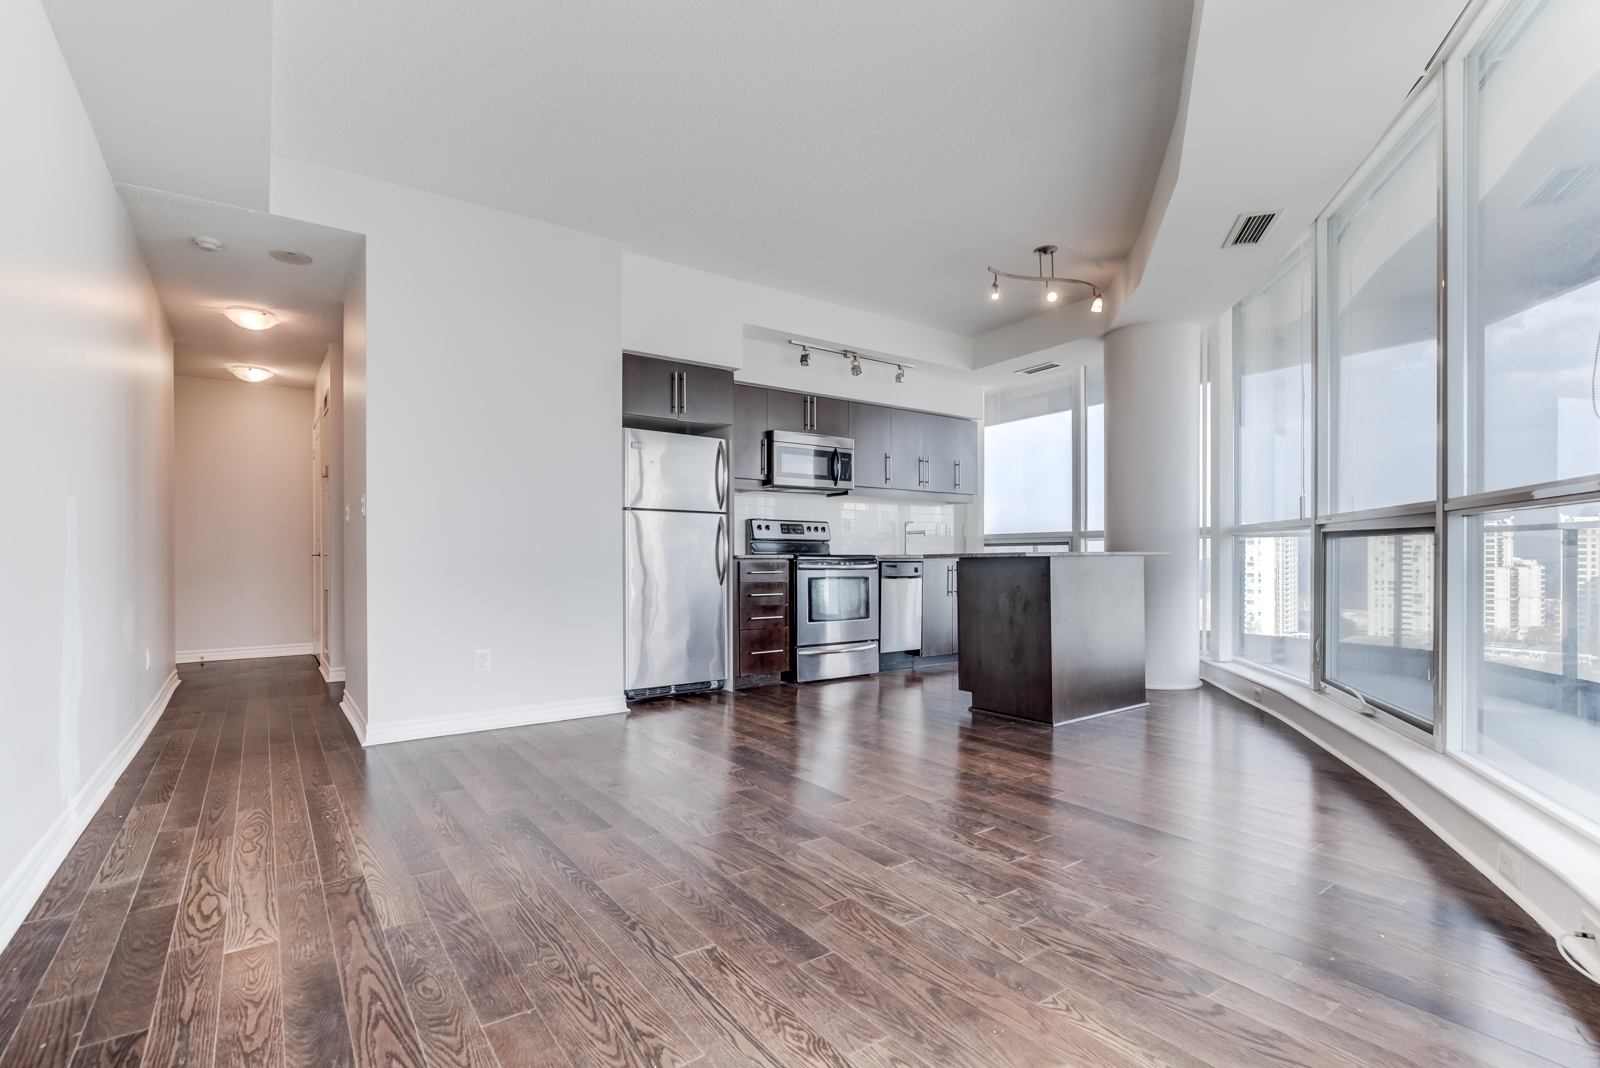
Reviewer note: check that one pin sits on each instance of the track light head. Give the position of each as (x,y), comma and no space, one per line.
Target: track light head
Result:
(805,357)
(855,365)
(899,374)
(1050,294)
(1097,305)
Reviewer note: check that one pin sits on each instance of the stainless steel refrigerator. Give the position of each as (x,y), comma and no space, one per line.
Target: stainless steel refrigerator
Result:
(678,554)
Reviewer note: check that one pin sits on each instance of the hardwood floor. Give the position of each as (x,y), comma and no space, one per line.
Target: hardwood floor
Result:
(854,873)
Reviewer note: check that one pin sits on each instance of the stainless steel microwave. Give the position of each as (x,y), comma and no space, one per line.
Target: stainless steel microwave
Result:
(810,462)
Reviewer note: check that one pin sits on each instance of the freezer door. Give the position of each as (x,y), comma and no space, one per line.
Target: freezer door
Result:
(680,472)
(677,604)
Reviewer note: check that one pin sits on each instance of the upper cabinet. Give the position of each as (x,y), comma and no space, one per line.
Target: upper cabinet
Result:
(804,413)
(898,452)
(663,391)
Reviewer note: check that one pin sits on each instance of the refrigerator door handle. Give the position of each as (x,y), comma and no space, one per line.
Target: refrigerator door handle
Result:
(724,558)
(722,474)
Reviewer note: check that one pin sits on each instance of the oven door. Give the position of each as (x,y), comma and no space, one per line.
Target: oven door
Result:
(810,461)
(835,604)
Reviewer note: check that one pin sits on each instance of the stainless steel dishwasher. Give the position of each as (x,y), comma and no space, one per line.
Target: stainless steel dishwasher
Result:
(900,623)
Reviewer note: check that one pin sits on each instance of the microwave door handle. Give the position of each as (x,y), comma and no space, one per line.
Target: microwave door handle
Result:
(833,467)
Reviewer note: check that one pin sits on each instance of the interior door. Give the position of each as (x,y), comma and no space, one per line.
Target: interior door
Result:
(319,512)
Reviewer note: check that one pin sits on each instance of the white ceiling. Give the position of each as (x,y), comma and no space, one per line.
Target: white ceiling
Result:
(875,154)
(195,285)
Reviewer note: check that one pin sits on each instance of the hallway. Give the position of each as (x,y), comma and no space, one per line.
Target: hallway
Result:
(857,873)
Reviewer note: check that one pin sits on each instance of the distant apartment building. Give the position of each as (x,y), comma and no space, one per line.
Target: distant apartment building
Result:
(1403,600)
(1270,588)
(1513,588)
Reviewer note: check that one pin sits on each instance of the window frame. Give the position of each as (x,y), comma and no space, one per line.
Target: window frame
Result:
(1069,540)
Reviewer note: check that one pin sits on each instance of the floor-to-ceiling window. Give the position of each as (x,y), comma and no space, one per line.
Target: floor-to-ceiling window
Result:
(1452,590)
(1273,385)
(1525,449)
(1044,464)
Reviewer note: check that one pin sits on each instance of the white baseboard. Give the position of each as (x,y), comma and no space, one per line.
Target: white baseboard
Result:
(330,674)
(24,885)
(1558,882)
(353,713)
(244,652)
(494,719)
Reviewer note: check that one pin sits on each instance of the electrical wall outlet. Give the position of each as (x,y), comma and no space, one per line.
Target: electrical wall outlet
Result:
(1260,695)
(480,660)
(1508,862)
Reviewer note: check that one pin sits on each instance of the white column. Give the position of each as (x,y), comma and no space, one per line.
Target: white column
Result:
(1153,485)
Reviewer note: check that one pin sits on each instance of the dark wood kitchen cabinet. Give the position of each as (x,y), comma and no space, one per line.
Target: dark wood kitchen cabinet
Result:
(870,427)
(656,391)
(805,413)
(762,608)
(895,448)
(950,451)
(749,433)
(907,446)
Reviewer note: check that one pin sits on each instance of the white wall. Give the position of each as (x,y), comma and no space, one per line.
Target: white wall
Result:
(328,396)
(241,519)
(85,465)
(353,485)
(668,310)
(493,459)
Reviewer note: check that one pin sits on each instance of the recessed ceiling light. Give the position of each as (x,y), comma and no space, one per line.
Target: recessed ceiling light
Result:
(252,318)
(251,374)
(283,255)
(210,244)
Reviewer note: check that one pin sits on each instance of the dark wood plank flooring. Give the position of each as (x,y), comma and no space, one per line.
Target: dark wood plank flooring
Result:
(854,873)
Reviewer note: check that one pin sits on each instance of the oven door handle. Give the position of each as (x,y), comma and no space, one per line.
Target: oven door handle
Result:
(824,650)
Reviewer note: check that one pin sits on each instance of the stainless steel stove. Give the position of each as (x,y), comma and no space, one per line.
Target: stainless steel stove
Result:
(835,611)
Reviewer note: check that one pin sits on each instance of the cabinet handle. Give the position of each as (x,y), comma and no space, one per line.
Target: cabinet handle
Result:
(766,652)
(888,469)
(767,617)
(672,402)
(683,392)
(958,474)
(763,451)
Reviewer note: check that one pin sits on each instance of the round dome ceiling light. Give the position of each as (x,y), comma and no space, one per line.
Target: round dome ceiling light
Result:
(210,244)
(251,374)
(252,318)
(283,255)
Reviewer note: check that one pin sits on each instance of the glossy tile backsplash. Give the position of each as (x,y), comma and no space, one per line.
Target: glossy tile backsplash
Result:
(860,524)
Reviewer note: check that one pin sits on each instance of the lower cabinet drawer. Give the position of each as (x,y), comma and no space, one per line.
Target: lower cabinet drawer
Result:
(764,652)
(763,615)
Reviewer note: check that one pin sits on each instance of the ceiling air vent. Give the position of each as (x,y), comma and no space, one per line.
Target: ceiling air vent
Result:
(1249,229)
(1561,185)
(1036,370)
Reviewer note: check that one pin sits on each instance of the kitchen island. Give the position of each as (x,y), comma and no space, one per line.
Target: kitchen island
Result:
(1052,637)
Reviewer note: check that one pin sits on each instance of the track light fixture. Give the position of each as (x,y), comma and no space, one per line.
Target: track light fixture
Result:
(855,359)
(1049,280)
